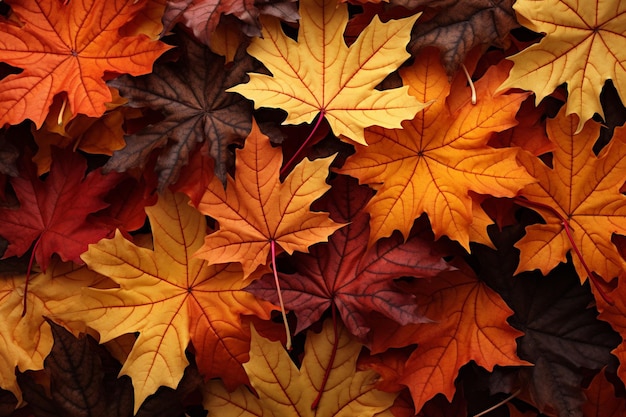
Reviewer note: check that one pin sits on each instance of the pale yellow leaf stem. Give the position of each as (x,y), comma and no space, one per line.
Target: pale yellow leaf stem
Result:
(280,296)
(471,83)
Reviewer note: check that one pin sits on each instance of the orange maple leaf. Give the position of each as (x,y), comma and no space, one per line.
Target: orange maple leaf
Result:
(101,135)
(67,47)
(582,188)
(320,74)
(583,47)
(431,164)
(469,323)
(170,298)
(256,210)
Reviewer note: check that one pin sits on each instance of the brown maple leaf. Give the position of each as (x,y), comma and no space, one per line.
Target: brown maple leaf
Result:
(202,16)
(190,93)
(257,211)
(62,49)
(462,26)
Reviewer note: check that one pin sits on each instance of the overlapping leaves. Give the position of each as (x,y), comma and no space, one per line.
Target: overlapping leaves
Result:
(391,328)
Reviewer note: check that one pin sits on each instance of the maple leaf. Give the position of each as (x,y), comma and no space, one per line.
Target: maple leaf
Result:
(430,165)
(319,74)
(84,382)
(562,333)
(96,135)
(170,298)
(54,213)
(25,340)
(62,49)
(601,399)
(256,210)
(469,323)
(463,25)
(344,273)
(582,188)
(190,93)
(285,391)
(203,16)
(582,47)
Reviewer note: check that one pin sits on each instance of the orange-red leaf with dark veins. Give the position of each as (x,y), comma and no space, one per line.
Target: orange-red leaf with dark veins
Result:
(54,213)
(344,272)
(66,47)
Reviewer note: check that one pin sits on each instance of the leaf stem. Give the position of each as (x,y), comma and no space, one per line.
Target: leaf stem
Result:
(333,353)
(280,296)
(292,160)
(471,83)
(30,267)
(501,403)
(592,275)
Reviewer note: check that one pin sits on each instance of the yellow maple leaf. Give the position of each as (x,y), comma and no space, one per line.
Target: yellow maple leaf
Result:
(320,74)
(583,47)
(25,340)
(170,298)
(585,190)
(285,391)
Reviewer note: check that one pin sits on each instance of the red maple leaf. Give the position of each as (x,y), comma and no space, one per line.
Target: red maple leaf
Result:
(54,213)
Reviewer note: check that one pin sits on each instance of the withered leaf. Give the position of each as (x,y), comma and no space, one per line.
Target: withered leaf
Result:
(562,333)
(8,156)
(463,25)
(190,93)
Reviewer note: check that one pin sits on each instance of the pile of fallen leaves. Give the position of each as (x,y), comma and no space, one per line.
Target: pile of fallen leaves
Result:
(271,208)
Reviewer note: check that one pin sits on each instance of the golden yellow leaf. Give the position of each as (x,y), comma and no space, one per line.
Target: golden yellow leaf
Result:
(285,391)
(319,73)
(170,298)
(583,47)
